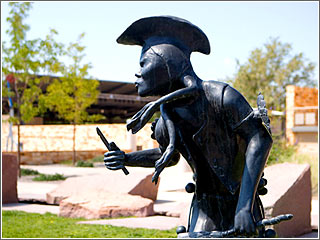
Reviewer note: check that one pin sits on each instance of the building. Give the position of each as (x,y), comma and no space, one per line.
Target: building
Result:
(117,101)
(302,118)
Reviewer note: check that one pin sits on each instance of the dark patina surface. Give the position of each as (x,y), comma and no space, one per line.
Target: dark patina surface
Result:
(209,123)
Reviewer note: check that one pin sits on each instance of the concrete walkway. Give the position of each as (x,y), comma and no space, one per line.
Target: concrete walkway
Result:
(171,196)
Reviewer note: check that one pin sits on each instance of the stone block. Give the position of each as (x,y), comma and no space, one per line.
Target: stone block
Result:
(9,178)
(289,191)
(94,205)
(136,183)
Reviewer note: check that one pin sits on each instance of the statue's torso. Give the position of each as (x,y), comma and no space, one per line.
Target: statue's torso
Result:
(214,152)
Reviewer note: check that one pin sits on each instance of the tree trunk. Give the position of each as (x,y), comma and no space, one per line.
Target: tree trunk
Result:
(19,153)
(74,145)
(19,122)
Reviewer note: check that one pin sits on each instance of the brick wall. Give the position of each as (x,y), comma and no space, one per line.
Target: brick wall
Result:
(301,102)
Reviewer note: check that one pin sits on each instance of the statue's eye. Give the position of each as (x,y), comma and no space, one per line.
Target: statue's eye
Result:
(141,63)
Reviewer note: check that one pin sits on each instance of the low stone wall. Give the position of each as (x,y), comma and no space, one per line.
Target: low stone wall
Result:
(50,157)
(43,144)
(9,178)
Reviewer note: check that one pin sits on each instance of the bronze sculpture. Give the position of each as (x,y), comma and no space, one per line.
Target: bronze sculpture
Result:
(209,123)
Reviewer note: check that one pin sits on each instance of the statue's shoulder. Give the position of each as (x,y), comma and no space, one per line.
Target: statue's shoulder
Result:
(214,84)
(214,91)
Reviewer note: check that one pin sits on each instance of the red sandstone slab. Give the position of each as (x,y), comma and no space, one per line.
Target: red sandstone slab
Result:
(9,178)
(289,191)
(136,183)
(93,205)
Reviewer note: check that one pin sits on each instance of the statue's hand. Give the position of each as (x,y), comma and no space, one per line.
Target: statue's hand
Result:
(163,162)
(244,223)
(114,160)
(142,117)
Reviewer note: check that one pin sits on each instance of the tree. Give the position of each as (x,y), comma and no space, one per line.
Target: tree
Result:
(71,94)
(22,62)
(269,70)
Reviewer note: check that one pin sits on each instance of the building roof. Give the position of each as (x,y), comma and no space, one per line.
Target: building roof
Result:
(117,101)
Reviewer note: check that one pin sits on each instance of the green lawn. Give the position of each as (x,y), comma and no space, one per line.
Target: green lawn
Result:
(18,224)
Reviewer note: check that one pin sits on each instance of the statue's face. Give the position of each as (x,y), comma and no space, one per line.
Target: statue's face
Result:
(152,79)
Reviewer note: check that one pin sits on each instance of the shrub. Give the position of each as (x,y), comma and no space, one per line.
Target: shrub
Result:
(84,164)
(97,159)
(49,177)
(280,151)
(28,172)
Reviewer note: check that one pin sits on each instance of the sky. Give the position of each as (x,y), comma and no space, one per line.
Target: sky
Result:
(234,29)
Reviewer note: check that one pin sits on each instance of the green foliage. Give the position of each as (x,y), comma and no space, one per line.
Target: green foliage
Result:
(18,224)
(84,164)
(73,93)
(269,70)
(49,177)
(97,159)
(24,60)
(280,151)
(28,172)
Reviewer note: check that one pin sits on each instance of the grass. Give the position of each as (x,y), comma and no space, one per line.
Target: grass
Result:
(41,176)
(18,224)
(49,177)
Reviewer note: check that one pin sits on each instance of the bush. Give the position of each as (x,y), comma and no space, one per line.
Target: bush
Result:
(28,172)
(84,164)
(280,151)
(97,159)
(49,177)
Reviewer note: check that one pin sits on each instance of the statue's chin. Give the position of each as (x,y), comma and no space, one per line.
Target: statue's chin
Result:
(146,92)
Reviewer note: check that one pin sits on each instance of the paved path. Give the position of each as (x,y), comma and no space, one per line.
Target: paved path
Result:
(171,195)
(152,222)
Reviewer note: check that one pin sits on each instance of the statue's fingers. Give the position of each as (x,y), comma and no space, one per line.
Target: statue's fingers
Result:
(114,158)
(115,167)
(155,177)
(114,153)
(164,160)
(132,123)
(114,163)
(136,128)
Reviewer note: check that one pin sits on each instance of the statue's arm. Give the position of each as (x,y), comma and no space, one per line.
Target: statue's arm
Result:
(144,158)
(143,116)
(259,142)
(115,160)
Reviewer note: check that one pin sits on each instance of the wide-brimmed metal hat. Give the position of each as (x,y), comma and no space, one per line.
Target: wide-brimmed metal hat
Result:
(151,31)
